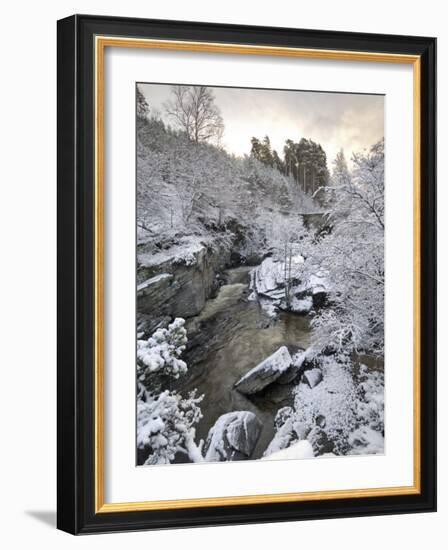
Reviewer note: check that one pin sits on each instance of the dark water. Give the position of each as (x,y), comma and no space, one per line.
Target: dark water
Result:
(229,337)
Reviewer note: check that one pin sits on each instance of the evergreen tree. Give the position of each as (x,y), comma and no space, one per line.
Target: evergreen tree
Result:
(277,161)
(142,105)
(255,151)
(266,152)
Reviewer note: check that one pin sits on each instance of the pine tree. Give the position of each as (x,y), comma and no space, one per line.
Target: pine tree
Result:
(142,105)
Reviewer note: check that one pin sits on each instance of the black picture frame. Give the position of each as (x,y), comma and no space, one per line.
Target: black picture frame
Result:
(76,257)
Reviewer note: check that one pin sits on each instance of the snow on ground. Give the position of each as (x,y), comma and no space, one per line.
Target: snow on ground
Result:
(299,450)
(333,398)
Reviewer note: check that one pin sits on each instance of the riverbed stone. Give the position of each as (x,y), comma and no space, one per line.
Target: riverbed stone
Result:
(233,437)
(312,377)
(265,373)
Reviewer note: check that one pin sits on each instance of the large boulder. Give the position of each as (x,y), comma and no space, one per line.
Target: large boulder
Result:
(233,437)
(265,373)
(268,279)
(300,360)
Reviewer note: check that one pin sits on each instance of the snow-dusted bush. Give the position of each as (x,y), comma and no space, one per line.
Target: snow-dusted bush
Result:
(161,353)
(165,419)
(165,425)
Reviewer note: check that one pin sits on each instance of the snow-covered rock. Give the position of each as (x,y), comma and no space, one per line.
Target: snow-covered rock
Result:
(268,282)
(299,450)
(233,437)
(319,287)
(268,277)
(265,372)
(312,377)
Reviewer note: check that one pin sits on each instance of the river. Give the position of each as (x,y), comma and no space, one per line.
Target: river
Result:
(229,337)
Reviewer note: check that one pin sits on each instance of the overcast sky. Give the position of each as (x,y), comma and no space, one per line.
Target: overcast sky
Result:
(335,120)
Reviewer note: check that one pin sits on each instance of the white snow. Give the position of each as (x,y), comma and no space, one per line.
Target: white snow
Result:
(162,351)
(301,449)
(364,441)
(185,251)
(303,305)
(318,281)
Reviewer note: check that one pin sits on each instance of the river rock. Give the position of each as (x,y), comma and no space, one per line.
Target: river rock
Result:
(290,374)
(301,360)
(312,377)
(233,437)
(265,373)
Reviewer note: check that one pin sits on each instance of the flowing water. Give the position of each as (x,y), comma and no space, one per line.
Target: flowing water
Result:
(228,338)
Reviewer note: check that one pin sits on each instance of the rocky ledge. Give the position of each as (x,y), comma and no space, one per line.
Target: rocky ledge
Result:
(176,282)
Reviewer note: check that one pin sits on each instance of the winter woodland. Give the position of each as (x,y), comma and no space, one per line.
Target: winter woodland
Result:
(260,292)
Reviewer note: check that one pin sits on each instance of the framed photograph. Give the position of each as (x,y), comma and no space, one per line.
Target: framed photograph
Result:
(246,274)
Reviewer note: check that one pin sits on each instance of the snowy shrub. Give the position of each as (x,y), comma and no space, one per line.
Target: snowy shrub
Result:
(165,425)
(165,419)
(161,352)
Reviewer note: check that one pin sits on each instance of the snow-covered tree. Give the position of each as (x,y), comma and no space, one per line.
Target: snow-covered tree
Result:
(160,354)
(165,420)
(165,426)
(353,255)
